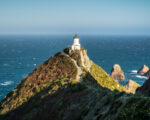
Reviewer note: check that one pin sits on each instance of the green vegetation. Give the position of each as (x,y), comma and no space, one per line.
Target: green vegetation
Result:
(76,56)
(104,79)
(136,108)
(51,91)
(67,50)
(56,72)
(36,89)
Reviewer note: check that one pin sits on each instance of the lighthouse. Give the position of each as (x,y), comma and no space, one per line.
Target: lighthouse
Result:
(76,45)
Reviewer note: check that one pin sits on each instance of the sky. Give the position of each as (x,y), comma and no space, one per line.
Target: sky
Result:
(75,16)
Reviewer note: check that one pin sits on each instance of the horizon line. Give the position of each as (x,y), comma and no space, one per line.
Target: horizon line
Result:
(73,33)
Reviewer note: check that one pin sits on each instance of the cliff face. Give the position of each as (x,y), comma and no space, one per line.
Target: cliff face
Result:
(69,86)
(86,63)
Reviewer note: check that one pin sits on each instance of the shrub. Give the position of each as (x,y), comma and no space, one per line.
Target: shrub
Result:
(66,50)
(36,89)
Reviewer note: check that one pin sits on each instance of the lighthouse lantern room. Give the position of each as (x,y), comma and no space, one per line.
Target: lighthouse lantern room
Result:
(76,45)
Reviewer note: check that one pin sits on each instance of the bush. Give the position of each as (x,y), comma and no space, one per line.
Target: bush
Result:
(78,87)
(36,89)
(66,50)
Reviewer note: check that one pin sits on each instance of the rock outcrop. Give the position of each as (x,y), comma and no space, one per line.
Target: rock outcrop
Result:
(131,86)
(117,73)
(85,61)
(147,74)
(143,70)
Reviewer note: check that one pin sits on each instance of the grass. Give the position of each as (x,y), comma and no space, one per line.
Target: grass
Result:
(51,91)
(76,56)
(104,79)
(55,72)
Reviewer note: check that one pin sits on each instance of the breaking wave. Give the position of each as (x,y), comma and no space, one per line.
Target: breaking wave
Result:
(6,83)
(133,72)
(141,77)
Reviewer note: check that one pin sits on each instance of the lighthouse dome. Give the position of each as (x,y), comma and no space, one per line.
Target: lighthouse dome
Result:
(76,44)
(76,36)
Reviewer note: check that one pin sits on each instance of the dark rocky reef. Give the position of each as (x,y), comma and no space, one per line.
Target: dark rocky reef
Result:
(147,74)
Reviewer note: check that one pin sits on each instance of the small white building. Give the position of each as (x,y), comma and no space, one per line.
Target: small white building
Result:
(76,45)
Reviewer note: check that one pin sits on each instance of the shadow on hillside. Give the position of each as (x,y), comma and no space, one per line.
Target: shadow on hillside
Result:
(69,102)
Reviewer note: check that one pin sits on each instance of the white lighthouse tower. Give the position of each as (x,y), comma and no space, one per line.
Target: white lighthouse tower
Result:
(76,45)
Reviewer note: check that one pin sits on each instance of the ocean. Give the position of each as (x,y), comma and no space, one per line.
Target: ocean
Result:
(21,54)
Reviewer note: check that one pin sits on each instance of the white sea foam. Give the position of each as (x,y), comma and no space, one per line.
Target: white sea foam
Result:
(6,83)
(34,64)
(134,71)
(141,77)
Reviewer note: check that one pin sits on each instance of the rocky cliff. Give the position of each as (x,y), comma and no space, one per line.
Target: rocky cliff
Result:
(69,86)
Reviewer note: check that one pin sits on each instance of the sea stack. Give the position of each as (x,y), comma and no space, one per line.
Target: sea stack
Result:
(131,86)
(117,73)
(143,70)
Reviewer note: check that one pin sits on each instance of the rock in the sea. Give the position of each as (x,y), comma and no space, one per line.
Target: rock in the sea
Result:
(143,69)
(147,74)
(131,86)
(117,73)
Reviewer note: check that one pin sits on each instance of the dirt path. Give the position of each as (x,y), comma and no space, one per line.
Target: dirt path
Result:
(79,71)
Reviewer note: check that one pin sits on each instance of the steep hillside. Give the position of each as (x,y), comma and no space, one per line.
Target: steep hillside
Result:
(52,74)
(69,86)
(104,79)
(145,89)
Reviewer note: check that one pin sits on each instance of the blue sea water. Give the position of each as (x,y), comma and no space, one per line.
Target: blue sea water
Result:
(20,54)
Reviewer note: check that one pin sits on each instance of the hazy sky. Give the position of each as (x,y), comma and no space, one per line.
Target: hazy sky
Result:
(75,16)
